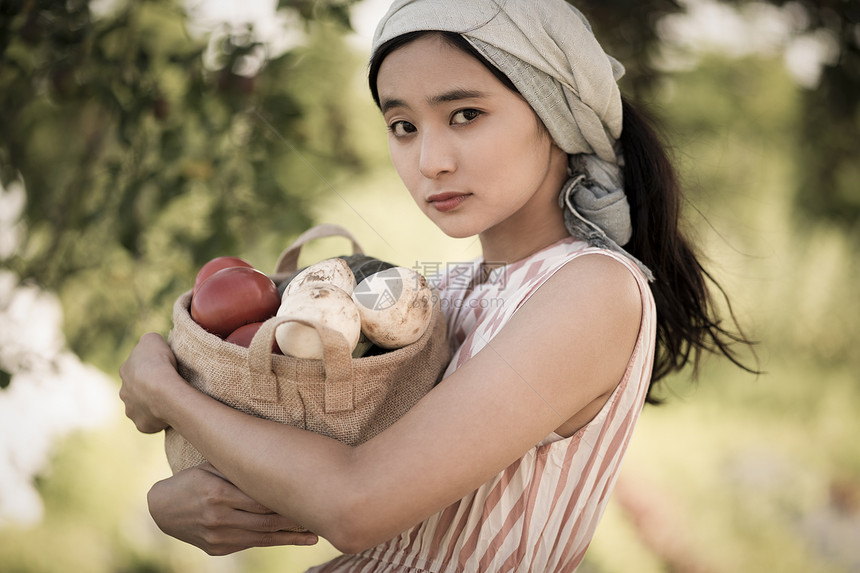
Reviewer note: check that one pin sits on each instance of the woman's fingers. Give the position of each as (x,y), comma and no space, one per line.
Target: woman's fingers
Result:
(225,528)
(228,512)
(225,542)
(199,507)
(145,366)
(260,517)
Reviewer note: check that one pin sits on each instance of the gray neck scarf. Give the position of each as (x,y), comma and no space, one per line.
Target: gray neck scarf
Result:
(547,49)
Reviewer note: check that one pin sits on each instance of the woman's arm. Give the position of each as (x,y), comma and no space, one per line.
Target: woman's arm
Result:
(201,507)
(562,352)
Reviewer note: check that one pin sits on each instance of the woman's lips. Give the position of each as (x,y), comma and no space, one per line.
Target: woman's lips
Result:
(446,201)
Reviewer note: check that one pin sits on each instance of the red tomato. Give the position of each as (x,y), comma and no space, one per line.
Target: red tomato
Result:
(244,334)
(216,265)
(233,297)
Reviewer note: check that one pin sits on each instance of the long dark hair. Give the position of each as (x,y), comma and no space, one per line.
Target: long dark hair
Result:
(688,324)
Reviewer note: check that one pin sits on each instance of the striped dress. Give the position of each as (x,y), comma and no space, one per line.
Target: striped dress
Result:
(540,513)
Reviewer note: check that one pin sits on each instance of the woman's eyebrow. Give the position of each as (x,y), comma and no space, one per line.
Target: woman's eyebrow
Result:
(455,95)
(449,96)
(389,103)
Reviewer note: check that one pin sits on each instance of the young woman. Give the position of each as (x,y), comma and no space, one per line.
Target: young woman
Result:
(505,121)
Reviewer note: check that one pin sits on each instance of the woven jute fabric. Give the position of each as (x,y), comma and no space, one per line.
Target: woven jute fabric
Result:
(348,399)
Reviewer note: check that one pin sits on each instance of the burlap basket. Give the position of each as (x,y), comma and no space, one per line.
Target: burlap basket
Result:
(348,399)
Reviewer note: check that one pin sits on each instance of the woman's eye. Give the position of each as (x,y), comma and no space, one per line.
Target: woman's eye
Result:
(401,128)
(465,116)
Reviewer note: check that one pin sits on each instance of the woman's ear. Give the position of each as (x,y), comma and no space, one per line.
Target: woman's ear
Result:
(561,156)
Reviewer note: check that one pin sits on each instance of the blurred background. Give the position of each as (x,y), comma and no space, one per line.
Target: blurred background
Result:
(139,139)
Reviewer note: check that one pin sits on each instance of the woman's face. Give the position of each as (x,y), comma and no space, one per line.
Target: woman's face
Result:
(471,152)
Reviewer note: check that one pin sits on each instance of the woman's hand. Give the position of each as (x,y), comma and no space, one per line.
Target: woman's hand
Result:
(199,506)
(150,365)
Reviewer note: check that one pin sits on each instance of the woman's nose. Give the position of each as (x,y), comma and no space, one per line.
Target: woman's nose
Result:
(437,156)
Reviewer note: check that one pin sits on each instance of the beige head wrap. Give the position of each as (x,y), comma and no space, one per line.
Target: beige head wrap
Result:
(547,49)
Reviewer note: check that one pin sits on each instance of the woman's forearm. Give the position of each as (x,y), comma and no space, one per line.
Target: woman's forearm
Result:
(340,492)
(296,473)
(495,407)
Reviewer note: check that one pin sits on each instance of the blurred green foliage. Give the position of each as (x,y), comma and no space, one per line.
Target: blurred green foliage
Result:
(827,187)
(629,32)
(146,151)
(737,127)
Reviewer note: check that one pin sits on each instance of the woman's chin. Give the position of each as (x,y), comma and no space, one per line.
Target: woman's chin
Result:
(462,235)
(457,232)
(458,224)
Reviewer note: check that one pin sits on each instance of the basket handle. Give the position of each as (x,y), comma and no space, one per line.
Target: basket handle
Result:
(337,360)
(289,259)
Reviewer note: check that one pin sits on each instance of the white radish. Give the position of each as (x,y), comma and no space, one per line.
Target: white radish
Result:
(395,306)
(330,271)
(324,304)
